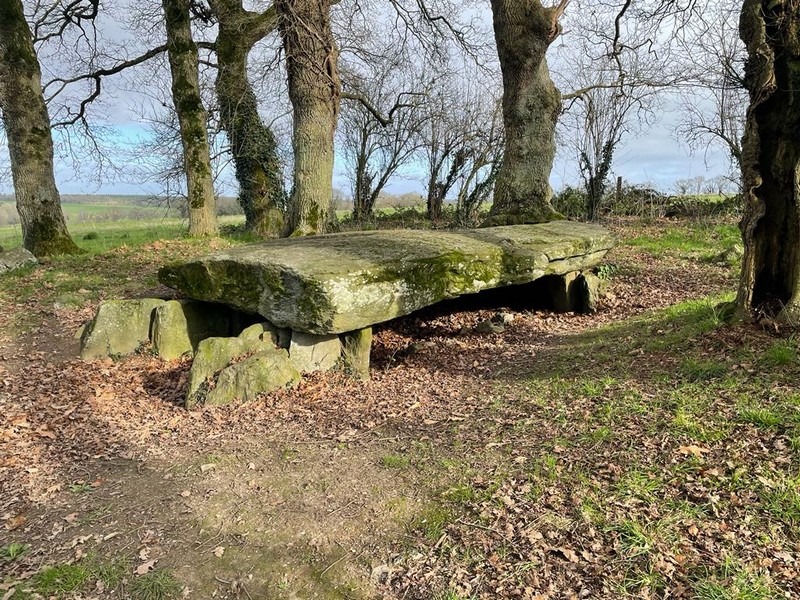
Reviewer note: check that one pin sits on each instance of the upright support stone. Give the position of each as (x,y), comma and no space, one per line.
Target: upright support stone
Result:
(180,325)
(356,346)
(309,352)
(262,373)
(562,290)
(118,328)
(589,293)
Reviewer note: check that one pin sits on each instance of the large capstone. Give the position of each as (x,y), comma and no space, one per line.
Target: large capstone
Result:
(345,282)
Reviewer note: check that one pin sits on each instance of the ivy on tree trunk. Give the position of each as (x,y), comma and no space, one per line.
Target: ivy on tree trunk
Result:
(183,63)
(30,142)
(770,277)
(253,145)
(314,90)
(524,29)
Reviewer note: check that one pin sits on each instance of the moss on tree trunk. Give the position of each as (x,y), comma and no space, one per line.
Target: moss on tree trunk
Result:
(770,277)
(314,90)
(30,143)
(531,104)
(183,62)
(253,145)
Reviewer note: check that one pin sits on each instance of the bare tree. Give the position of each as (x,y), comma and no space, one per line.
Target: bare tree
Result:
(183,60)
(713,106)
(30,143)
(252,143)
(524,29)
(376,144)
(314,90)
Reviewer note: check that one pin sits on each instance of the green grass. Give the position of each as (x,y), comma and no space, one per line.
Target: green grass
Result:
(782,352)
(115,234)
(395,461)
(13,551)
(700,241)
(62,579)
(160,584)
(732,581)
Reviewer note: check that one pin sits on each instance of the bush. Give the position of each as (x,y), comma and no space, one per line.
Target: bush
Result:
(571,202)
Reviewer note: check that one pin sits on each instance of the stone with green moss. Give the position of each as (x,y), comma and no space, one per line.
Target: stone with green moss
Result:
(180,325)
(345,282)
(215,353)
(118,328)
(264,372)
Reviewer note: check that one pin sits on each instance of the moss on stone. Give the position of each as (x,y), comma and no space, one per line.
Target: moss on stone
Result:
(345,282)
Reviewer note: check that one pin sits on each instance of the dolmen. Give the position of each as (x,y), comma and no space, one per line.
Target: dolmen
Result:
(256,317)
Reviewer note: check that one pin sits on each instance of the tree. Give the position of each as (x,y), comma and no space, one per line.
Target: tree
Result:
(30,143)
(713,106)
(314,91)
(770,277)
(253,145)
(524,29)
(376,145)
(183,62)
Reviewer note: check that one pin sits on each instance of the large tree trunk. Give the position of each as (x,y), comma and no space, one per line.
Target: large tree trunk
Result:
(253,145)
(531,104)
(770,278)
(30,143)
(314,89)
(183,63)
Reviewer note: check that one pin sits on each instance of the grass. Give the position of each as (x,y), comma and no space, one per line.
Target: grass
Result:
(159,584)
(13,551)
(62,579)
(395,461)
(703,242)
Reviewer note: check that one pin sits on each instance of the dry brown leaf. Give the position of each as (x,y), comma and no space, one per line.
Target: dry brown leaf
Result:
(145,567)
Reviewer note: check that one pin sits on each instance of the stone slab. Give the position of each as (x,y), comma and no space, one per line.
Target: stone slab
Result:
(345,282)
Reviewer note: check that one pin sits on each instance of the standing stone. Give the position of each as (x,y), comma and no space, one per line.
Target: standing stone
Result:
(356,346)
(262,373)
(309,352)
(562,291)
(216,353)
(16,259)
(180,325)
(589,292)
(118,328)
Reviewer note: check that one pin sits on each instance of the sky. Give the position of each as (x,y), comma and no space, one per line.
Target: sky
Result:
(654,157)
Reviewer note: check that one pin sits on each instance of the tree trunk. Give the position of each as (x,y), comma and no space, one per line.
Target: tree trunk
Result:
(30,143)
(531,104)
(253,145)
(183,63)
(314,90)
(770,277)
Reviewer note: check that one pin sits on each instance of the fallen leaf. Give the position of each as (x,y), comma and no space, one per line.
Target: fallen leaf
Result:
(15,522)
(694,450)
(218,551)
(145,567)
